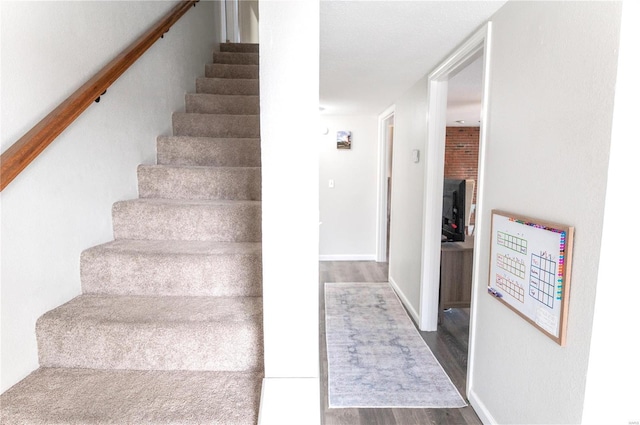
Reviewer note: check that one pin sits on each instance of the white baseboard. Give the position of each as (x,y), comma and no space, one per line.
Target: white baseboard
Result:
(355,257)
(404,300)
(290,401)
(481,410)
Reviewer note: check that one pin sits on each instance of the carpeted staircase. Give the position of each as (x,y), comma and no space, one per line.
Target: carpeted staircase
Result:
(168,329)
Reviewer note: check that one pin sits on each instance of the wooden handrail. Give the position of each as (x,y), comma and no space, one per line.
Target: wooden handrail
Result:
(28,147)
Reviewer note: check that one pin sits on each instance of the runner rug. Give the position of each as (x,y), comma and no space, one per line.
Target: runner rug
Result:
(376,357)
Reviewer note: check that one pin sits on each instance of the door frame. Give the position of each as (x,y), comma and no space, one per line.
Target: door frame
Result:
(231,18)
(478,44)
(383,157)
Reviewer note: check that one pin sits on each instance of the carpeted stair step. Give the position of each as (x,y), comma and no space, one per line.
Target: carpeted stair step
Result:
(216,125)
(220,70)
(230,152)
(237,58)
(172,268)
(170,219)
(240,47)
(231,86)
(197,182)
(91,397)
(153,333)
(203,103)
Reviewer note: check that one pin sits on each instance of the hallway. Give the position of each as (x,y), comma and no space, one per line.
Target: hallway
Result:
(449,345)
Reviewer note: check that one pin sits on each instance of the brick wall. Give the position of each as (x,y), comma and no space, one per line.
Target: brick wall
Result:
(461,155)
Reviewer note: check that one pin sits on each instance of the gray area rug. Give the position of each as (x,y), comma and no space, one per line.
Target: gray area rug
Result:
(376,357)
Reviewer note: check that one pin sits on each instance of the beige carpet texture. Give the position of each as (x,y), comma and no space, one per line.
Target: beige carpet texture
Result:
(131,397)
(168,328)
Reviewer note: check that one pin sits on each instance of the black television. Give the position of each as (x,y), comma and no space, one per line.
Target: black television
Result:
(453,209)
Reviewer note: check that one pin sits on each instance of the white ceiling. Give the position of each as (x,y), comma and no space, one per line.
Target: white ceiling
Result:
(464,96)
(371,52)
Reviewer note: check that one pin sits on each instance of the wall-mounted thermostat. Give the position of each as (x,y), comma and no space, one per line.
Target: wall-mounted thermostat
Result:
(415,155)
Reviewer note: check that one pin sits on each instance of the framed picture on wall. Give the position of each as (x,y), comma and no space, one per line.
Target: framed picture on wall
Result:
(344,139)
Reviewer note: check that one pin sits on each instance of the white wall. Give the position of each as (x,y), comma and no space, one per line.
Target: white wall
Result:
(61,204)
(289,130)
(553,73)
(405,255)
(614,372)
(248,16)
(348,211)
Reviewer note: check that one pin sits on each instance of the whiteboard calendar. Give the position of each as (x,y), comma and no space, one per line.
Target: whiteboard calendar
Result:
(530,267)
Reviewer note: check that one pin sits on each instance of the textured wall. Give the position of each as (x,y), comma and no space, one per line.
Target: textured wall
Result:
(348,211)
(553,74)
(405,255)
(61,204)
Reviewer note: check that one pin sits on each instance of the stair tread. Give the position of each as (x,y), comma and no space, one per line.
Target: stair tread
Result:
(235,71)
(87,310)
(187,202)
(198,167)
(151,332)
(228,80)
(172,268)
(87,396)
(249,54)
(228,85)
(245,58)
(218,115)
(155,247)
(225,96)
(230,104)
(187,219)
(214,139)
(233,65)
(199,182)
(216,125)
(239,53)
(240,47)
(208,151)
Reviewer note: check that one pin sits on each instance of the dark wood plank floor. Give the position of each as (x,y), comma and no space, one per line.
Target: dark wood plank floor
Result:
(449,344)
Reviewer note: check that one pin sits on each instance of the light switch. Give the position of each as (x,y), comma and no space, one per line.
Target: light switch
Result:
(332,184)
(415,155)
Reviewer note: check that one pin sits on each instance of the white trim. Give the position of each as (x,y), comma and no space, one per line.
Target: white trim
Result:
(232,21)
(290,401)
(479,215)
(432,207)
(223,21)
(405,300)
(433,179)
(348,257)
(481,410)
(383,155)
(478,44)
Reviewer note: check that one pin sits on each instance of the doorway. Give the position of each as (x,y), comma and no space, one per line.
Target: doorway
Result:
(464,98)
(386,122)
(477,46)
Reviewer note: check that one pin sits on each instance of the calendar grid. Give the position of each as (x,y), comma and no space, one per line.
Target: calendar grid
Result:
(542,279)
(512,242)
(512,288)
(513,265)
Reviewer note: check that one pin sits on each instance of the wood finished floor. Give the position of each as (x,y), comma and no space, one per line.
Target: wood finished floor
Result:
(449,345)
